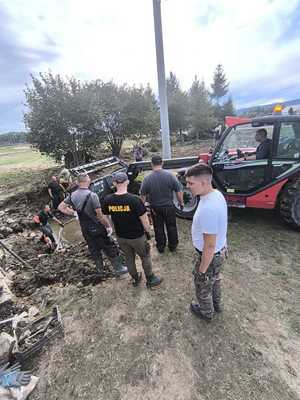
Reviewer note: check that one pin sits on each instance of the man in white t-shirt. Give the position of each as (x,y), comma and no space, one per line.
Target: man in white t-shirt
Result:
(209,232)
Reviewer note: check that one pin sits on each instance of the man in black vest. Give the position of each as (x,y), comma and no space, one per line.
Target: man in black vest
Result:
(95,226)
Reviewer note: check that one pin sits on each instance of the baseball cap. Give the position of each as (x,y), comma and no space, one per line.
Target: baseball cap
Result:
(120,177)
(156,159)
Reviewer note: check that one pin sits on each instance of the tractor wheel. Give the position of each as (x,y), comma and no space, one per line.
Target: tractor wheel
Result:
(190,204)
(289,205)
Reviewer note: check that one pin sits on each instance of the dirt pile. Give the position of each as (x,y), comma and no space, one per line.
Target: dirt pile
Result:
(16,215)
(71,265)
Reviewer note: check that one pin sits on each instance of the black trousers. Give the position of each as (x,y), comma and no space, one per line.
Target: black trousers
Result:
(165,217)
(97,244)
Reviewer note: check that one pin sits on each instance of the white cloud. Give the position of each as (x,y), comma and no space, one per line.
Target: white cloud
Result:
(115,38)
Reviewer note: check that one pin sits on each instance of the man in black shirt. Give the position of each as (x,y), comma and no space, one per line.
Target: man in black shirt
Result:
(129,216)
(159,188)
(264,149)
(55,192)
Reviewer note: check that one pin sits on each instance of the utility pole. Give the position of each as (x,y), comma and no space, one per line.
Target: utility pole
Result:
(162,88)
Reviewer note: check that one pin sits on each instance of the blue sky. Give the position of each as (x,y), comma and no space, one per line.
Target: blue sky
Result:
(257,41)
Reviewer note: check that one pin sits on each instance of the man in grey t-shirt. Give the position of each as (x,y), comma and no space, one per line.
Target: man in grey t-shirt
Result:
(159,188)
(95,226)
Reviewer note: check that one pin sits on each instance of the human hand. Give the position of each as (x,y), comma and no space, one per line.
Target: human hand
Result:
(181,206)
(148,235)
(109,231)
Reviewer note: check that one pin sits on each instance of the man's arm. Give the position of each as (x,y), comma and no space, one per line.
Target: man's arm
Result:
(66,209)
(179,196)
(144,190)
(102,218)
(50,193)
(145,222)
(208,252)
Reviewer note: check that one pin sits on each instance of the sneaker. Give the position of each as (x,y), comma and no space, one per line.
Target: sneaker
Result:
(153,281)
(136,281)
(195,309)
(160,249)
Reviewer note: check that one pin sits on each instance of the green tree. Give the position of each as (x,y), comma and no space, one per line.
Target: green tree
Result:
(202,117)
(125,112)
(12,138)
(178,105)
(61,118)
(141,113)
(220,84)
(228,108)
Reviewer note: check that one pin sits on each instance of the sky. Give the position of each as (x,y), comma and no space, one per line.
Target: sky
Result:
(257,42)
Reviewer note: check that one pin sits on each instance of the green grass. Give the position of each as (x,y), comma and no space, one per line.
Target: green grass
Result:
(22,157)
(19,165)
(13,149)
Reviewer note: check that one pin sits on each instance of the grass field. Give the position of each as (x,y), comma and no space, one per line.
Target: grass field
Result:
(19,166)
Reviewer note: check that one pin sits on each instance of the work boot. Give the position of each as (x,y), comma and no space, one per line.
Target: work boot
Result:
(195,309)
(153,281)
(218,308)
(172,249)
(137,279)
(118,266)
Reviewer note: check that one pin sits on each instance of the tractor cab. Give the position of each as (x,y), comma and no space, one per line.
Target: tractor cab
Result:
(254,155)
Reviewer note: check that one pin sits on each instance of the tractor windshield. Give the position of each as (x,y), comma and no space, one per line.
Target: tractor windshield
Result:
(240,139)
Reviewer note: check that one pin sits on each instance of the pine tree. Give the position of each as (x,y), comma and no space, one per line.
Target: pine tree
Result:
(202,117)
(220,84)
(177,105)
(228,108)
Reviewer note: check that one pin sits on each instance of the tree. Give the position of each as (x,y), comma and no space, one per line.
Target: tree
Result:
(125,112)
(61,118)
(202,117)
(178,105)
(12,138)
(141,113)
(228,108)
(68,119)
(220,84)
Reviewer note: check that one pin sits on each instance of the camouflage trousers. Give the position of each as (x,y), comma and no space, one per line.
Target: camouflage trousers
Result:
(208,287)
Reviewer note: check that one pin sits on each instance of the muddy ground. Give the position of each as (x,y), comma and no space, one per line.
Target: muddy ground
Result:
(125,343)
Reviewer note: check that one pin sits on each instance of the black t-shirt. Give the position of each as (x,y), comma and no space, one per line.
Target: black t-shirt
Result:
(160,186)
(55,189)
(263,151)
(125,210)
(44,217)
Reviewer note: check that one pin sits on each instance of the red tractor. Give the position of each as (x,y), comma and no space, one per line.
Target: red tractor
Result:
(245,181)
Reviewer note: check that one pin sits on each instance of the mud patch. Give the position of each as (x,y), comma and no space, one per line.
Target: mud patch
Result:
(72,265)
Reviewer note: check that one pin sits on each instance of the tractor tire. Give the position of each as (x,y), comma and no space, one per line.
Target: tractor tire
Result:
(190,205)
(289,204)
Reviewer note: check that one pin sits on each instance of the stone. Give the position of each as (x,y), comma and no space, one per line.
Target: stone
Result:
(5,342)
(33,312)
